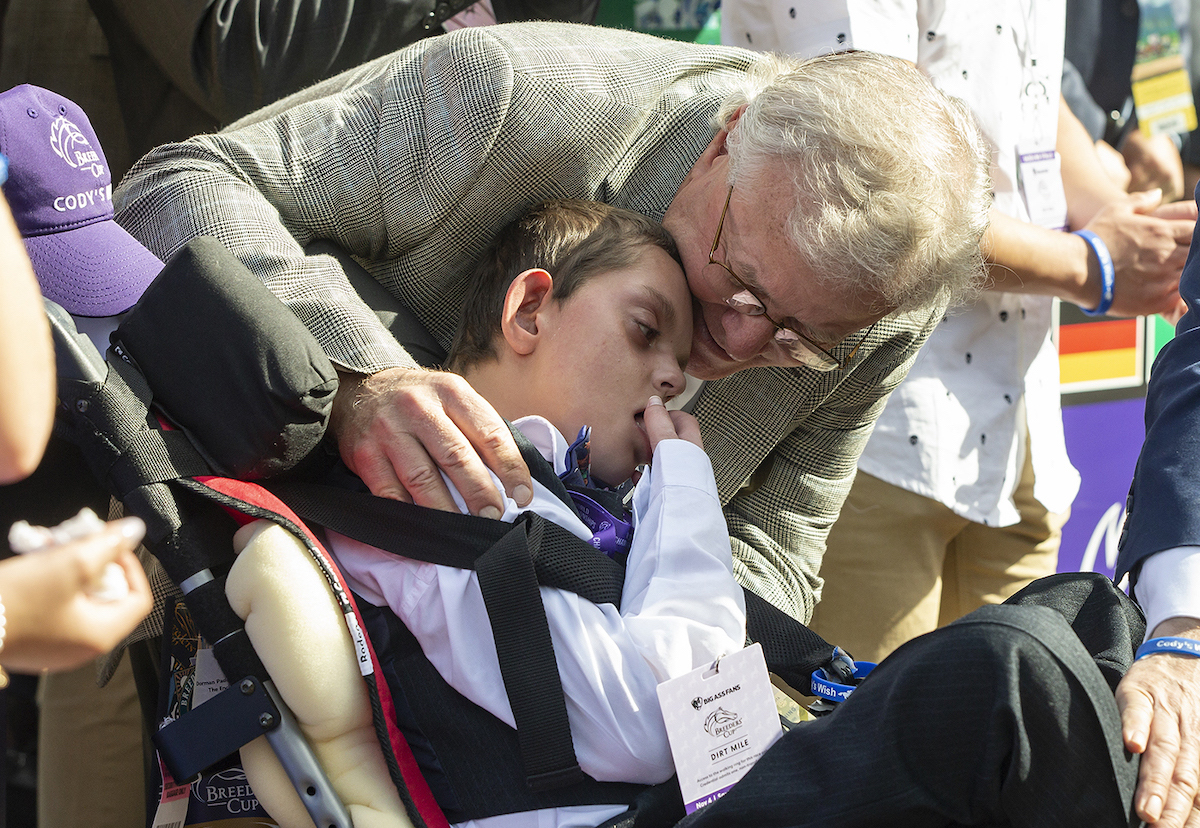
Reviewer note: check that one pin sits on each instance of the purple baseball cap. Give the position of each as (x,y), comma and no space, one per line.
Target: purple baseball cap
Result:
(60,191)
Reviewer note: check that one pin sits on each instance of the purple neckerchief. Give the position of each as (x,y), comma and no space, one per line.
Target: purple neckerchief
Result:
(610,534)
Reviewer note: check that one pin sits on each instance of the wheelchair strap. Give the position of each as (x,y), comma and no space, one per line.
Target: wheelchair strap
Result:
(792,650)
(512,560)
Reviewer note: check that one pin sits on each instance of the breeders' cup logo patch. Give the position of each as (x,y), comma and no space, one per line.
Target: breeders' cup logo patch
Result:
(225,794)
(72,146)
(722,724)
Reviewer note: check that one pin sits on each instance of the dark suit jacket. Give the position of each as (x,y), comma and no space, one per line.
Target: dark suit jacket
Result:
(1164,501)
(1100,47)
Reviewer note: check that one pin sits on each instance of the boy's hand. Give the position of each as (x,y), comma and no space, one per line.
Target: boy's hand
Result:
(662,424)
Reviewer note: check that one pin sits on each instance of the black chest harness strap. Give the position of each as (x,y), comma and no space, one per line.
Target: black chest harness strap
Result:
(512,561)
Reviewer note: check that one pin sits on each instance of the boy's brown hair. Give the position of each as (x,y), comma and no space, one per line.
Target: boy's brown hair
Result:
(573,239)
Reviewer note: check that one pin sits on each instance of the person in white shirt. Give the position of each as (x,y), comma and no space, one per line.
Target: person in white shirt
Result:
(965,484)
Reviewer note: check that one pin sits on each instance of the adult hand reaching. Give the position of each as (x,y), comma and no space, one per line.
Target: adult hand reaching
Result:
(59,605)
(1153,163)
(1159,700)
(397,428)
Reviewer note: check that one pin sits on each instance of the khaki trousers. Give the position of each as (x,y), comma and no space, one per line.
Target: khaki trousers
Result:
(91,770)
(899,565)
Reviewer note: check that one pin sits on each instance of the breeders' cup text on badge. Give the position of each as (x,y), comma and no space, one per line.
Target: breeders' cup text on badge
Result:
(722,724)
(713,747)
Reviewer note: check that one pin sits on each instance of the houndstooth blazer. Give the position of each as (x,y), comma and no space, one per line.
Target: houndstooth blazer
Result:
(413,161)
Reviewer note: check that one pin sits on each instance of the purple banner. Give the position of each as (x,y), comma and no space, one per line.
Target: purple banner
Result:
(1103,441)
(707,800)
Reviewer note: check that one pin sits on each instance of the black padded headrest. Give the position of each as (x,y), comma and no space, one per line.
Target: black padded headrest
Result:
(229,364)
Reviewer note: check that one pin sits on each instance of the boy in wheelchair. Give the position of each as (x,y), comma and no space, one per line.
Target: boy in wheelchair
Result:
(577,326)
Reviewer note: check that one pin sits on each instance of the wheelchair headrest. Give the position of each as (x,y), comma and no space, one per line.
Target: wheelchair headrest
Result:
(229,364)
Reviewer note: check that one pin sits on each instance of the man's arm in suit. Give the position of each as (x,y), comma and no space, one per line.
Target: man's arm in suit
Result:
(317,171)
(1160,695)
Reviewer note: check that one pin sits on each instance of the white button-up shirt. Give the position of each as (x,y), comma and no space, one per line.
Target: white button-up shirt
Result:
(680,608)
(954,430)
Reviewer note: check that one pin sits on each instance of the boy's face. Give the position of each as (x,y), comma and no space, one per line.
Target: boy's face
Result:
(621,337)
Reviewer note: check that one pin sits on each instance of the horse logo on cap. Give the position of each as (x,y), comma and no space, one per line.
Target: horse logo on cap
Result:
(70,144)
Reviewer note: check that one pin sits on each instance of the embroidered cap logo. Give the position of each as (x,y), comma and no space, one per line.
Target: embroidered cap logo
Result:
(70,144)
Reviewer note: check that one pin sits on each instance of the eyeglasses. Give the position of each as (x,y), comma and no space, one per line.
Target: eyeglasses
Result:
(795,344)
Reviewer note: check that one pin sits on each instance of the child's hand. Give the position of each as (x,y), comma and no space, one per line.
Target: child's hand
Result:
(662,424)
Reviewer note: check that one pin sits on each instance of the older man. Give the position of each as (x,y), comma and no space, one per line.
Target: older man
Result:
(412,162)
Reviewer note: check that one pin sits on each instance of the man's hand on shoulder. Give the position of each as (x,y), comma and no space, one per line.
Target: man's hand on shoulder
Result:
(1159,701)
(395,429)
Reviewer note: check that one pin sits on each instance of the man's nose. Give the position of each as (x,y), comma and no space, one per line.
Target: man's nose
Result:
(746,336)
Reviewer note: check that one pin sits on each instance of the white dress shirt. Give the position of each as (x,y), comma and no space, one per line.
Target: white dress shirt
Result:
(680,609)
(1168,585)
(954,430)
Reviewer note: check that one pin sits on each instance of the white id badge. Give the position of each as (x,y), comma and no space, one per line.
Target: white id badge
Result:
(210,679)
(1041,184)
(720,719)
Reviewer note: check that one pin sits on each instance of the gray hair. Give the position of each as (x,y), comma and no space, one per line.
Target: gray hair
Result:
(891,175)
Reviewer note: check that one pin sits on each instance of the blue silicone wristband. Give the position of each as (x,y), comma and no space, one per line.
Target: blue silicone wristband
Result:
(827,688)
(1107,274)
(1169,644)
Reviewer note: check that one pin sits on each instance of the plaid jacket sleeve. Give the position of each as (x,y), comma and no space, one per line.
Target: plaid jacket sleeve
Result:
(413,162)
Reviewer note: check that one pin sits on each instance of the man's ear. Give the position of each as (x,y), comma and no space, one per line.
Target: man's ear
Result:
(716,146)
(527,297)
(722,136)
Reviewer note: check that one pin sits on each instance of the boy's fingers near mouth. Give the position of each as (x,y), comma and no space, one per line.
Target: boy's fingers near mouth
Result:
(658,423)
(686,427)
